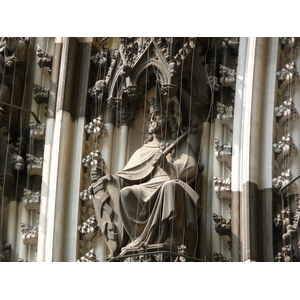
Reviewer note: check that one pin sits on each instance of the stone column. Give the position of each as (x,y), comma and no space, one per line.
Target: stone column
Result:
(48,148)
(252,148)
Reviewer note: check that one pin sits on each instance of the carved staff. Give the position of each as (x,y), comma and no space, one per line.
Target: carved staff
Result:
(194,130)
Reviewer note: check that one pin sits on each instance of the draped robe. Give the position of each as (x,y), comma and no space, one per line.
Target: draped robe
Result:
(151,205)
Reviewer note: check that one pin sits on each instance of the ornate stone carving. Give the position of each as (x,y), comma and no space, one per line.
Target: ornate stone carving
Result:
(232,43)
(184,51)
(223,226)
(114,103)
(90,256)
(228,77)
(96,162)
(284,147)
(29,234)
(288,75)
(169,90)
(96,127)
(100,89)
(225,114)
(286,111)
(40,94)
(218,257)
(282,180)
(17,161)
(31,200)
(223,151)
(163,45)
(87,209)
(88,229)
(34,165)
(133,92)
(223,186)
(100,59)
(44,59)
(286,255)
(37,131)
(119,218)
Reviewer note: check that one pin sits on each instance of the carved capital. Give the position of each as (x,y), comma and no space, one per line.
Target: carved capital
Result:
(222,188)
(223,151)
(34,165)
(225,114)
(114,103)
(223,226)
(228,77)
(40,94)
(29,234)
(37,131)
(31,200)
(44,59)
(133,92)
(169,90)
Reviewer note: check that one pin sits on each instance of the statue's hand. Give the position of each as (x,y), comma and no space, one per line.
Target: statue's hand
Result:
(161,160)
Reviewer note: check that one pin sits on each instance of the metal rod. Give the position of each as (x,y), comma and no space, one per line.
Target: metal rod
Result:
(21,108)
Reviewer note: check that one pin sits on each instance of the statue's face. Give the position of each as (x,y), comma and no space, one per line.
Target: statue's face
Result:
(158,124)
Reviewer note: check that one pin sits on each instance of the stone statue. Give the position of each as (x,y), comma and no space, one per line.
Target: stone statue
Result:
(150,201)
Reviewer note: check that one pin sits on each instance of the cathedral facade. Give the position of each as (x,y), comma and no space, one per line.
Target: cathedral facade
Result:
(149,149)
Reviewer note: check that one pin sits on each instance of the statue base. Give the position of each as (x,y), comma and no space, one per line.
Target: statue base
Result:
(154,253)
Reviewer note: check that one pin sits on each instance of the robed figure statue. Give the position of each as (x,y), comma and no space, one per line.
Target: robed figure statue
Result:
(150,201)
